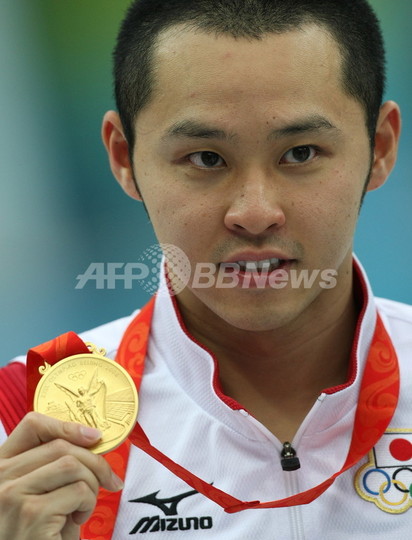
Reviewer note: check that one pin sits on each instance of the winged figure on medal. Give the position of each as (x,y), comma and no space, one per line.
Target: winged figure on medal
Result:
(88,405)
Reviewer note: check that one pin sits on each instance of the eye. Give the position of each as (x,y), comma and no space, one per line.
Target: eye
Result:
(299,154)
(206,160)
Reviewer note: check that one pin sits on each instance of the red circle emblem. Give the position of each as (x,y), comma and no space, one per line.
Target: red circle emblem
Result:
(401,449)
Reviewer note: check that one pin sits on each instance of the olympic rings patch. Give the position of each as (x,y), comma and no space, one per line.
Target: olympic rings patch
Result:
(386,480)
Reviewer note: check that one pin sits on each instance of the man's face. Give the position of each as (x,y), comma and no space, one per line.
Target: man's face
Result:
(251,151)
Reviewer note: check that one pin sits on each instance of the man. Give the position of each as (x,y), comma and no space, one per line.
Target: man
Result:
(251,130)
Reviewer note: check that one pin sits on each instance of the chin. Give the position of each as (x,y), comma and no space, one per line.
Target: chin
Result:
(257,322)
(251,311)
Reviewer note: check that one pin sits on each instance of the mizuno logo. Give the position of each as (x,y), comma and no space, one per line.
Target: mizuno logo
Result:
(169,508)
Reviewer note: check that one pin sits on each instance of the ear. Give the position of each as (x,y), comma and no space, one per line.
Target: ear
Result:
(118,151)
(388,130)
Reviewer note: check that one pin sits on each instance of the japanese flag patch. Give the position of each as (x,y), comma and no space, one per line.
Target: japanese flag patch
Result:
(386,480)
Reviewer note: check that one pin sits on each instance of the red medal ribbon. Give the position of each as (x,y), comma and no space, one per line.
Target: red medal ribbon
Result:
(377,402)
(51,352)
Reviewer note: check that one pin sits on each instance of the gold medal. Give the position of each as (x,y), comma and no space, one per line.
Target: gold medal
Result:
(93,390)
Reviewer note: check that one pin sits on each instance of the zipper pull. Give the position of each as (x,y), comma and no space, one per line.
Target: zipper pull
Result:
(289,460)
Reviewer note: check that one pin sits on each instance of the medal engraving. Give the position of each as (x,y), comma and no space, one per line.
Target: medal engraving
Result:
(93,390)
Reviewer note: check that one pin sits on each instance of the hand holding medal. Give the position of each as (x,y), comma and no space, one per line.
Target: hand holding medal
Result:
(48,476)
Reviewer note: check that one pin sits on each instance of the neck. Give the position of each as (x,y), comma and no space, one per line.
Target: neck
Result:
(277,375)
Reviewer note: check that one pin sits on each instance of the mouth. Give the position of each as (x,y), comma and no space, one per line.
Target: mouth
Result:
(256,273)
(258,266)
(261,266)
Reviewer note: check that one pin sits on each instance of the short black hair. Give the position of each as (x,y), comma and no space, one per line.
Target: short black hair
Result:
(352,23)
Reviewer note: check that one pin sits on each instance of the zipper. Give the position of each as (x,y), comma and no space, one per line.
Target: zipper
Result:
(291,475)
(290,463)
(289,459)
(295,512)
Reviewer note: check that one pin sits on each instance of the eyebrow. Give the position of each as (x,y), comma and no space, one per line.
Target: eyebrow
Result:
(196,130)
(311,124)
(193,129)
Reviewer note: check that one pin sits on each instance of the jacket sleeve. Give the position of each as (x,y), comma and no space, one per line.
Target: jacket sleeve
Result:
(13,403)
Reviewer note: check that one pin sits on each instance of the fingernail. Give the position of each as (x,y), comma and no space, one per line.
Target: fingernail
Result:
(117,482)
(90,433)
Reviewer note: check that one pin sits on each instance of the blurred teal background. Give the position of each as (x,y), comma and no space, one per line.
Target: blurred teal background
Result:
(60,208)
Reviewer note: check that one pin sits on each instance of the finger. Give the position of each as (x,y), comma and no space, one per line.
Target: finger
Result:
(56,455)
(72,499)
(36,429)
(53,509)
(64,471)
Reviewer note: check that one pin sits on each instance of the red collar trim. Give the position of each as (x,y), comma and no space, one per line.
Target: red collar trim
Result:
(361,293)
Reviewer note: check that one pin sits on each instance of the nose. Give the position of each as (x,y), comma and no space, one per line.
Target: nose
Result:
(255,206)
